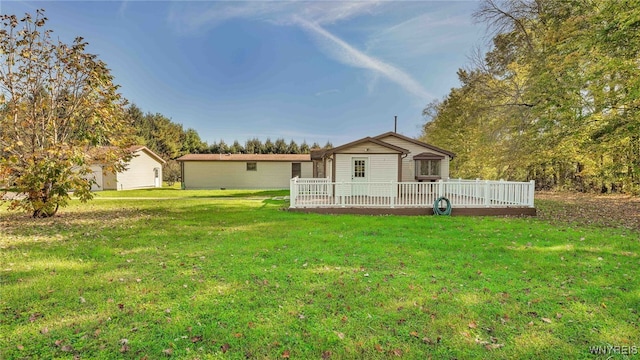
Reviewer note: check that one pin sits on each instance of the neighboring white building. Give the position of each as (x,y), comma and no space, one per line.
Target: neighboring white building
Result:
(243,171)
(144,170)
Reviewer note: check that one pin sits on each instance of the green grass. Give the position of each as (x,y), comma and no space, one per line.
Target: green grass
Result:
(176,192)
(208,278)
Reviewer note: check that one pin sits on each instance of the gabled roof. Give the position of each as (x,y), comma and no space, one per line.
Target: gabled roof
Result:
(96,154)
(246,157)
(414,141)
(365,140)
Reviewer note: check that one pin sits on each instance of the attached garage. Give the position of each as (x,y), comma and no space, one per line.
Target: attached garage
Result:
(243,171)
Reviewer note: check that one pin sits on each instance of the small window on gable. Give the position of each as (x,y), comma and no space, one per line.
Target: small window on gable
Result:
(251,166)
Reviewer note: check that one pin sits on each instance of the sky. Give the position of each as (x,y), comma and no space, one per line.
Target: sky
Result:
(321,71)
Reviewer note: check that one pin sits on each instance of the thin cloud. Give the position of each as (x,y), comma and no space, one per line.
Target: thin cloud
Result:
(332,12)
(327,92)
(310,16)
(192,17)
(407,38)
(197,16)
(347,54)
(123,7)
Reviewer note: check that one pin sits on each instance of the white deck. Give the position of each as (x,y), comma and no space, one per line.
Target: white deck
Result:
(318,193)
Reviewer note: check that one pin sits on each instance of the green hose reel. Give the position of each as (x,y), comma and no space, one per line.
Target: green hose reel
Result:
(436,206)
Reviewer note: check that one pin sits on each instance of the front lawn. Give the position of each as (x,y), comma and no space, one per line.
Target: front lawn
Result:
(204,278)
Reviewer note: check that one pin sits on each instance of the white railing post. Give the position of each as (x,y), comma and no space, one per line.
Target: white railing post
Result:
(532,191)
(393,192)
(487,193)
(293,193)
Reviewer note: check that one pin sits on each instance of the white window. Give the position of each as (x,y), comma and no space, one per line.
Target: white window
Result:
(296,170)
(359,167)
(430,168)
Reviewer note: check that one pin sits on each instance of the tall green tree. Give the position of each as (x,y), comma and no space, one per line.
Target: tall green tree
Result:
(269,147)
(304,147)
(293,148)
(253,146)
(58,107)
(236,148)
(191,143)
(280,146)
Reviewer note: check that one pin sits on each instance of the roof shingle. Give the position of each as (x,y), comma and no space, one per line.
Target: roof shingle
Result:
(245,157)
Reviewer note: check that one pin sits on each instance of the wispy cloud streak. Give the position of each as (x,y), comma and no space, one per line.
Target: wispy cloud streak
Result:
(310,16)
(347,54)
(194,16)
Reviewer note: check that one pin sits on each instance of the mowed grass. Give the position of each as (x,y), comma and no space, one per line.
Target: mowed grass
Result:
(175,192)
(208,278)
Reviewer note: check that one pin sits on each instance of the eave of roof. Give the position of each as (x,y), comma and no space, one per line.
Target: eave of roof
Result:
(428,156)
(136,148)
(417,142)
(364,140)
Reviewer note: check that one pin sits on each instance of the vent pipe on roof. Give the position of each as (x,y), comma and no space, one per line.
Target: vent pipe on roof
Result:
(395,124)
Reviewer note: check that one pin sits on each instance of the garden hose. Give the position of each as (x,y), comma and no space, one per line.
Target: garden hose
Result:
(436,206)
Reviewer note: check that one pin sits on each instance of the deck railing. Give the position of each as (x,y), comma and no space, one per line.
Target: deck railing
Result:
(314,193)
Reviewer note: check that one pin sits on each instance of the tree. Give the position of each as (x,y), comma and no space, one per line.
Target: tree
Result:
(236,148)
(191,143)
(269,147)
(166,137)
(253,146)
(280,146)
(293,148)
(59,113)
(171,172)
(304,147)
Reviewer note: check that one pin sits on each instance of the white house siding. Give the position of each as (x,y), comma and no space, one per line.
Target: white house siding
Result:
(104,180)
(380,168)
(140,173)
(408,164)
(329,168)
(109,181)
(97,176)
(234,174)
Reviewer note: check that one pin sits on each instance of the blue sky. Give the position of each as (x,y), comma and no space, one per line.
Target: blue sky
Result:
(314,71)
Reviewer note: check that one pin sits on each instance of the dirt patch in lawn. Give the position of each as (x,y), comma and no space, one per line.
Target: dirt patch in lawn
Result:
(589,209)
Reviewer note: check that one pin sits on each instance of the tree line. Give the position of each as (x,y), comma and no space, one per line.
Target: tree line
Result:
(555,99)
(170,140)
